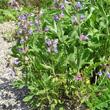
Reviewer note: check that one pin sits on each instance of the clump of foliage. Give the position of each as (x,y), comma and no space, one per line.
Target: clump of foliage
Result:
(7,13)
(3,4)
(64,52)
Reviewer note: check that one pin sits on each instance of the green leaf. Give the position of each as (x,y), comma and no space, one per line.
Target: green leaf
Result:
(28,97)
(72,86)
(44,25)
(53,31)
(83,100)
(55,26)
(101,9)
(7,13)
(85,55)
(67,11)
(60,31)
(103,35)
(98,107)
(89,16)
(72,61)
(93,44)
(105,105)
(18,84)
(58,59)
(61,108)
(31,88)
(53,106)
(35,102)
(42,92)
(46,66)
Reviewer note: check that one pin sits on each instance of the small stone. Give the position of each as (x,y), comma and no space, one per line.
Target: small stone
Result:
(4,106)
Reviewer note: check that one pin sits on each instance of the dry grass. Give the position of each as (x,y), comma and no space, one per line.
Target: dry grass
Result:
(29,3)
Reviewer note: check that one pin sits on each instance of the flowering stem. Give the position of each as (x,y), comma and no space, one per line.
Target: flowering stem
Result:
(98,86)
(94,90)
(79,27)
(79,49)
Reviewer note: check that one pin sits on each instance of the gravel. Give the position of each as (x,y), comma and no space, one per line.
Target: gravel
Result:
(10,96)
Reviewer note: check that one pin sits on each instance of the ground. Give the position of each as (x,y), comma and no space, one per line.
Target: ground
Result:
(10,96)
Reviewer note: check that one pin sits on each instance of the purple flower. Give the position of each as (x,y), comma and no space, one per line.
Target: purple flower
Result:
(36,22)
(74,19)
(29,31)
(20,31)
(75,77)
(84,37)
(1,35)
(61,15)
(5,39)
(31,24)
(13,1)
(54,45)
(108,74)
(10,4)
(66,2)
(56,18)
(25,20)
(46,29)
(12,72)
(24,17)
(26,14)
(16,62)
(26,37)
(100,73)
(20,17)
(22,41)
(48,42)
(20,27)
(32,14)
(19,50)
(24,27)
(7,65)
(82,17)
(55,2)
(41,12)
(16,8)
(27,47)
(56,41)
(62,7)
(38,29)
(18,23)
(78,5)
(55,50)
(48,50)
